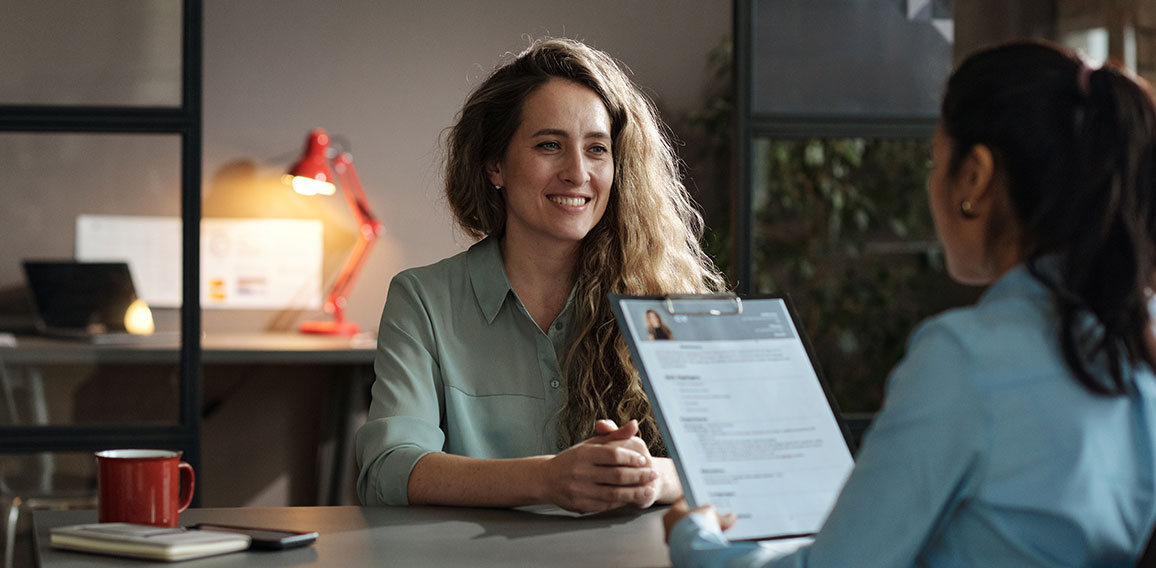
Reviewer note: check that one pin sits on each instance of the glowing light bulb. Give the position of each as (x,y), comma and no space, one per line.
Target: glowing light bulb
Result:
(138,318)
(311,186)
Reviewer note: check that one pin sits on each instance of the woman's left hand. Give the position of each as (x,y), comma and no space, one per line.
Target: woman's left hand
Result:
(680,510)
(666,485)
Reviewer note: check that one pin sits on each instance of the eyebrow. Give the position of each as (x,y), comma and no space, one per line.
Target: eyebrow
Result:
(564,134)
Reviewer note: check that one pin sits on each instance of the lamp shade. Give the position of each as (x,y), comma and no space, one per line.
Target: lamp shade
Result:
(311,175)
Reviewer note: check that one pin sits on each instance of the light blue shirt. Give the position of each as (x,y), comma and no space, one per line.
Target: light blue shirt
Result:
(461,367)
(986,453)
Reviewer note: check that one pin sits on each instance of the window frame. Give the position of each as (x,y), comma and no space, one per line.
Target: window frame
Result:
(186,122)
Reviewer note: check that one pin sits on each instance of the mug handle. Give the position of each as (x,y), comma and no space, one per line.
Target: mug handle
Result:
(186,488)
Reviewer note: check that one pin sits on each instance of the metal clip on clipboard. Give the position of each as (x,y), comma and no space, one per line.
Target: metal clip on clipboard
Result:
(702,298)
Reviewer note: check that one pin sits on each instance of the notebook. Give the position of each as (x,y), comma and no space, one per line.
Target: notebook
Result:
(84,300)
(147,542)
(745,414)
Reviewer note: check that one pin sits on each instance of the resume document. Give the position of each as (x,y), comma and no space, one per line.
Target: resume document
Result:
(742,409)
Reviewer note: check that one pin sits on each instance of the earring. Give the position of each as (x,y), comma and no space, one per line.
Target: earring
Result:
(968,211)
(498,187)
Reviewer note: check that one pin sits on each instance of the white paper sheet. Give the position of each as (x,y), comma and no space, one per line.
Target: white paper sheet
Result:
(150,245)
(261,263)
(245,263)
(744,414)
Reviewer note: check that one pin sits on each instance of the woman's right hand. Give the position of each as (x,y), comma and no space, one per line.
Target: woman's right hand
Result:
(605,472)
(679,510)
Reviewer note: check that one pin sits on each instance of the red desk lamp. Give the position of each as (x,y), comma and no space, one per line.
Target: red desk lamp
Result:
(313,174)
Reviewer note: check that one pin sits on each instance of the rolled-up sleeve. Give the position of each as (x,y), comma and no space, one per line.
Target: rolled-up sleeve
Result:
(404,418)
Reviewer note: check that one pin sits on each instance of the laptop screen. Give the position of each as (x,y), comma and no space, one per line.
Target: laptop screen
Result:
(85,296)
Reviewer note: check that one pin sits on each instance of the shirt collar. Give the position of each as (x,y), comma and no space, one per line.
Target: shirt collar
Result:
(488,276)
(1020,280)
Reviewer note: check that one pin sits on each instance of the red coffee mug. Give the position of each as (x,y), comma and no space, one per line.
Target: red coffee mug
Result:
(143,487)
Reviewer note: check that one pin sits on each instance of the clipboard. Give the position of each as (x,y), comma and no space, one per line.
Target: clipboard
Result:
(747,417)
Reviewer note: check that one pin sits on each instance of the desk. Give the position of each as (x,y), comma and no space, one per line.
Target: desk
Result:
(414,536)
(222,348)
(217,349)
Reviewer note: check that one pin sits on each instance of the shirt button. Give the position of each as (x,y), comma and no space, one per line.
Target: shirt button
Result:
(554,383)
(558,326)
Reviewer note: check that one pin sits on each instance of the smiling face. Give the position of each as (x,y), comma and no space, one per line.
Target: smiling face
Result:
(558,168)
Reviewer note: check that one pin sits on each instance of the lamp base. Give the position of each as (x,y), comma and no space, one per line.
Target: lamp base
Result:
(329,327)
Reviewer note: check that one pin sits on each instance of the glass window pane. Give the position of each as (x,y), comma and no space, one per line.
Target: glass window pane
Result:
(51,181)
(872,58)
(80,52)
(68,477)
(40,392)
(841,224)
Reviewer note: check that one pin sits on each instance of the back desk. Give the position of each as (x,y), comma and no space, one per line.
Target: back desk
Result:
(353,355)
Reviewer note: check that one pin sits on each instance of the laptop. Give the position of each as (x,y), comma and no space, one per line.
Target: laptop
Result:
(745,413)
(84,301)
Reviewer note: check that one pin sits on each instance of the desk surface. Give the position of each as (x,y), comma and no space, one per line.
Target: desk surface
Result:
(223,348)
(414,536)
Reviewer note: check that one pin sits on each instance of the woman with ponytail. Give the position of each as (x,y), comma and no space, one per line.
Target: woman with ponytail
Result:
(502,379)
(1020,431)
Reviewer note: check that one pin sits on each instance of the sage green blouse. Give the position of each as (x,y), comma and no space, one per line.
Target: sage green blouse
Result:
(461,368)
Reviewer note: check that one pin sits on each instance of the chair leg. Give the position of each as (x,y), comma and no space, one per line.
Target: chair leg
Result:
(40,418)
(12,516)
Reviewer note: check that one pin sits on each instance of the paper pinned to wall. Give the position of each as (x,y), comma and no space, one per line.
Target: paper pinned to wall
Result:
(245,263)
(150,245)
(261,263)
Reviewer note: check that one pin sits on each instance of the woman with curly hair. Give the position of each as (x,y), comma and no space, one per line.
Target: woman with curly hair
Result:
(502,378)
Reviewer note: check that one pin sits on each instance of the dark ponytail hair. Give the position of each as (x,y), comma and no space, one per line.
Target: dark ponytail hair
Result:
(1076,145)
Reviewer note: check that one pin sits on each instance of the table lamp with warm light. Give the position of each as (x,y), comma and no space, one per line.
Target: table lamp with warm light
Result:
(319,171)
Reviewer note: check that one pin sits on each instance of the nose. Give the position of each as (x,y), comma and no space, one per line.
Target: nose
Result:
(573,169)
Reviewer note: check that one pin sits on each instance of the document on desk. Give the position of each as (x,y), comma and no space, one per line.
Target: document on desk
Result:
(744,412)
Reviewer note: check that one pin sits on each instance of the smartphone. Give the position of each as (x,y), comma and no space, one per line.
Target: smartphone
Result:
(264,539)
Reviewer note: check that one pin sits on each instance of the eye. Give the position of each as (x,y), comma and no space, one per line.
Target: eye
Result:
(599,149)
(549,145)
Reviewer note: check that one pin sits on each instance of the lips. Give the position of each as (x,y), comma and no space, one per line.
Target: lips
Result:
(568,200)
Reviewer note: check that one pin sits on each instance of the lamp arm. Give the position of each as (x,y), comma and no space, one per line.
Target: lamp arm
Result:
(368,230)
(351,184)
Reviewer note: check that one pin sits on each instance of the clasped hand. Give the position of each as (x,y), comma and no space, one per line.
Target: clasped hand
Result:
(612,469)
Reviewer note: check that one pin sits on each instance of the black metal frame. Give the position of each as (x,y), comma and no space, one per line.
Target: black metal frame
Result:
(185,121)
(742,220)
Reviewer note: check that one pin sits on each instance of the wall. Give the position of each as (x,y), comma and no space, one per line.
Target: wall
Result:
(389,77)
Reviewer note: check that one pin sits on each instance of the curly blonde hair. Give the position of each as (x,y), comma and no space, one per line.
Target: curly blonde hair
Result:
(647,242)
